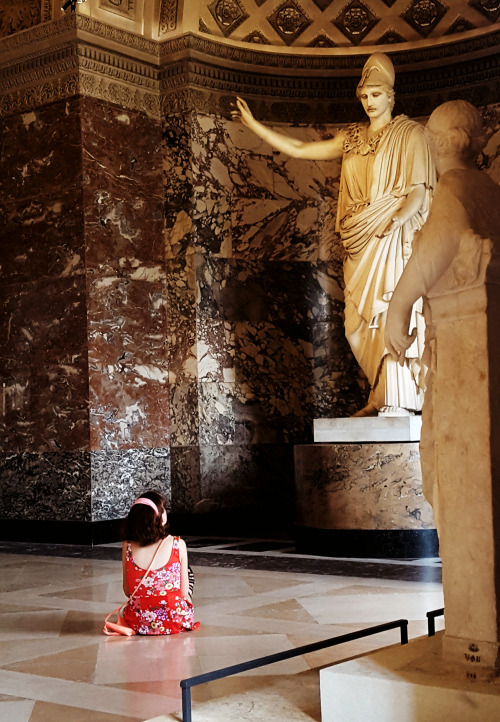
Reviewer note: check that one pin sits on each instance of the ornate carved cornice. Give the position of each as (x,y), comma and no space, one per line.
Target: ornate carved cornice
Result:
(76,54)
(348,62)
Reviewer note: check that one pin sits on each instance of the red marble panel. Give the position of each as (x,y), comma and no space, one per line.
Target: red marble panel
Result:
(43,336)
(43,237)
(124,195)
(128,363)
(41,151)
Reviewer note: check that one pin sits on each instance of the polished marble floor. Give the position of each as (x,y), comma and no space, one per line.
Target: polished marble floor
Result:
(252,597)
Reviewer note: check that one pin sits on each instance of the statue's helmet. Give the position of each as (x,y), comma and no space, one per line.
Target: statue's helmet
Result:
(378,70)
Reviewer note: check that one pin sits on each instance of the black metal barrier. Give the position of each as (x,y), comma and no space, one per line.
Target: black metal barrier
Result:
(186,684)
(431,621)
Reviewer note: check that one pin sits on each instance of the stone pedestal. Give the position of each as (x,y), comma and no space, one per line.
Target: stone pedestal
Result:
(363,497)
(412,683)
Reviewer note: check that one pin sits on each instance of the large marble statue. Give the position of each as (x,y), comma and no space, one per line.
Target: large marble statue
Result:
(455,265)
(386,182)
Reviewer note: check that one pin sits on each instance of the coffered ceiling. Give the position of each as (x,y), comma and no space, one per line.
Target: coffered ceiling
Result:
(343,23)
(279,24)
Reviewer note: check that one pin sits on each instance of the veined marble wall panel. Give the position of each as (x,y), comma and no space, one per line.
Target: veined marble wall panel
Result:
(128,371)
(42,288)
(266,289)
(181,312)
(361,486)
(490,157)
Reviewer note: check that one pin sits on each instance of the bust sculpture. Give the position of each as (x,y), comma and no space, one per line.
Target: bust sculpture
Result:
(455,266)
(385,190)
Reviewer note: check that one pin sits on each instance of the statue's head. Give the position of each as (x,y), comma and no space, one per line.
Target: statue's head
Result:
(455,128)
(378,71)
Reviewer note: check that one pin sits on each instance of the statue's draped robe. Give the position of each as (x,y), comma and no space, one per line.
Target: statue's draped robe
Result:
(377,176)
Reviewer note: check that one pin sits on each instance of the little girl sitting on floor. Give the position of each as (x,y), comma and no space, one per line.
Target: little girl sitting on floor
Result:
(162,603)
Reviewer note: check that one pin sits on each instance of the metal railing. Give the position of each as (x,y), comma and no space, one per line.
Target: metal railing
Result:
(431,620)
(186,684)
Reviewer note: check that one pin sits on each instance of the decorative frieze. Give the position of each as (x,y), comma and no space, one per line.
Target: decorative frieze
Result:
(77,54)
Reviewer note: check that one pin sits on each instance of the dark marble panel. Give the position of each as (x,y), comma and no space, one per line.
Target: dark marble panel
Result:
(253,413)
(280,208)
(242,476)
(41,151)
(186,485)
(177,160)
(340,396)
(212,224)
(52,485)
(184,414)
(331,349)
(180,330)
(272,350)
(42,237)
(489,158)
(292,295)
(119,477)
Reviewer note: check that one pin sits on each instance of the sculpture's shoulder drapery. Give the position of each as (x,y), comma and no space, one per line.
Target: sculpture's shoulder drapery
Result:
(464,224)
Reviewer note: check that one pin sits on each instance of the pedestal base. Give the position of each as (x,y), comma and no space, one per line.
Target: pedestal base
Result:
(361,494)
(411,683)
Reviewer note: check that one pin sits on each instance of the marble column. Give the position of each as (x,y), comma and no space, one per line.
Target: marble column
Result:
(44,424)
(85,393)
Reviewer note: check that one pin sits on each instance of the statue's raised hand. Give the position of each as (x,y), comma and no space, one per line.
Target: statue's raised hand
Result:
(242,112)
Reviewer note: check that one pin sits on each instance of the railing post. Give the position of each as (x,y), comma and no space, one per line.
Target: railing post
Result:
(186,702)
(431,621)
(404,631)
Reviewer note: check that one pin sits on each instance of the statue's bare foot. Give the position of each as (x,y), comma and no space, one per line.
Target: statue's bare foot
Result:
(368,410)
(395,411)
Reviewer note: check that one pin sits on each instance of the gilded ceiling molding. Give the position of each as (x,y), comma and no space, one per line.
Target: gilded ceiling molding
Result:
(347,63)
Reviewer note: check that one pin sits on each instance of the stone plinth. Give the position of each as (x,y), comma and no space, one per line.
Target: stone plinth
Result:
(363,498)
(358,429)
(412,683)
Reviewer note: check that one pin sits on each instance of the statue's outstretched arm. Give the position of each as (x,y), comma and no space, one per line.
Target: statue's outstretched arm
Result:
(314,150)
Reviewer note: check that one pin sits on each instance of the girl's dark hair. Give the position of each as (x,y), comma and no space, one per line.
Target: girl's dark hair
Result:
(143,525)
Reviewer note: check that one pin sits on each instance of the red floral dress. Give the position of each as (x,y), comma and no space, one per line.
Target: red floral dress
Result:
(158,606)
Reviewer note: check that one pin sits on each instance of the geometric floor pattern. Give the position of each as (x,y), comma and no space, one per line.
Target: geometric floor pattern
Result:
(55,663)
